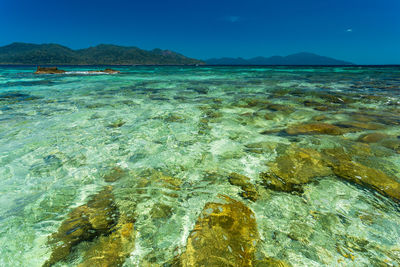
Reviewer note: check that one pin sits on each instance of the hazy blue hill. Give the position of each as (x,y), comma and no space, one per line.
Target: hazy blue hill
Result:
(313,59)
(41,54)
(294,59)
(275,60)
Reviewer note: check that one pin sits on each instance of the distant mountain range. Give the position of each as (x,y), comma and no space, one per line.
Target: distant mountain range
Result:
(295,59)
(55,54)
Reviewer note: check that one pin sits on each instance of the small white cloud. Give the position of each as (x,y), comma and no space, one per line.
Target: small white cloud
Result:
(349,30)
(232,19)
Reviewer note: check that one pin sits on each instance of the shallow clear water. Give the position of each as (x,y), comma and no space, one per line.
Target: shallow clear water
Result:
(60,135)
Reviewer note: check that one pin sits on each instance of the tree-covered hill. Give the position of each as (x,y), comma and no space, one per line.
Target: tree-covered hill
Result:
(54,54)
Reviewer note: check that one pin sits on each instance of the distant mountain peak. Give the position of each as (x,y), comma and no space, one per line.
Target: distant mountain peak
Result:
(301,58)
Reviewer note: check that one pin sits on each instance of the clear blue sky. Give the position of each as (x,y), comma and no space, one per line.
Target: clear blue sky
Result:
(361,31)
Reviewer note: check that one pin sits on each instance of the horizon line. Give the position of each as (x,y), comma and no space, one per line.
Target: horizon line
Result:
(204,59)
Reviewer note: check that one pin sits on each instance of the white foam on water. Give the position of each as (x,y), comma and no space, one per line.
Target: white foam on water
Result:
(86,72)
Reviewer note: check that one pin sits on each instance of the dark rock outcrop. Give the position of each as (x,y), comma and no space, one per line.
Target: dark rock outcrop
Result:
(107,71)
(49,70)
(55,70)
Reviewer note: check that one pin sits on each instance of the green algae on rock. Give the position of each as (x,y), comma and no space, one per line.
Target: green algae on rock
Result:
(254,102)
(269,116)
(16,97)
(319,118)
(314,128)
(299,166)
(174,118)
(294,168)
(279,107)
(249,189)
(372,137)
(336,99)
(311,103)
(360,125)
(161,211)
(393,144)
(114,174)
(363,175)
(71,232)
(387,118)
(344,167)
(116,124)
(323,108)
(84,223)
(260,147)
(111,250)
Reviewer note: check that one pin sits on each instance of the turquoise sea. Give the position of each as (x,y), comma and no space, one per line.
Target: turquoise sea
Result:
(279,166)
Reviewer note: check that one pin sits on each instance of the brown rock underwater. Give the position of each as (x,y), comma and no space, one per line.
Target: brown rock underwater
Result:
(97,221)
(299,166)
(225,234)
